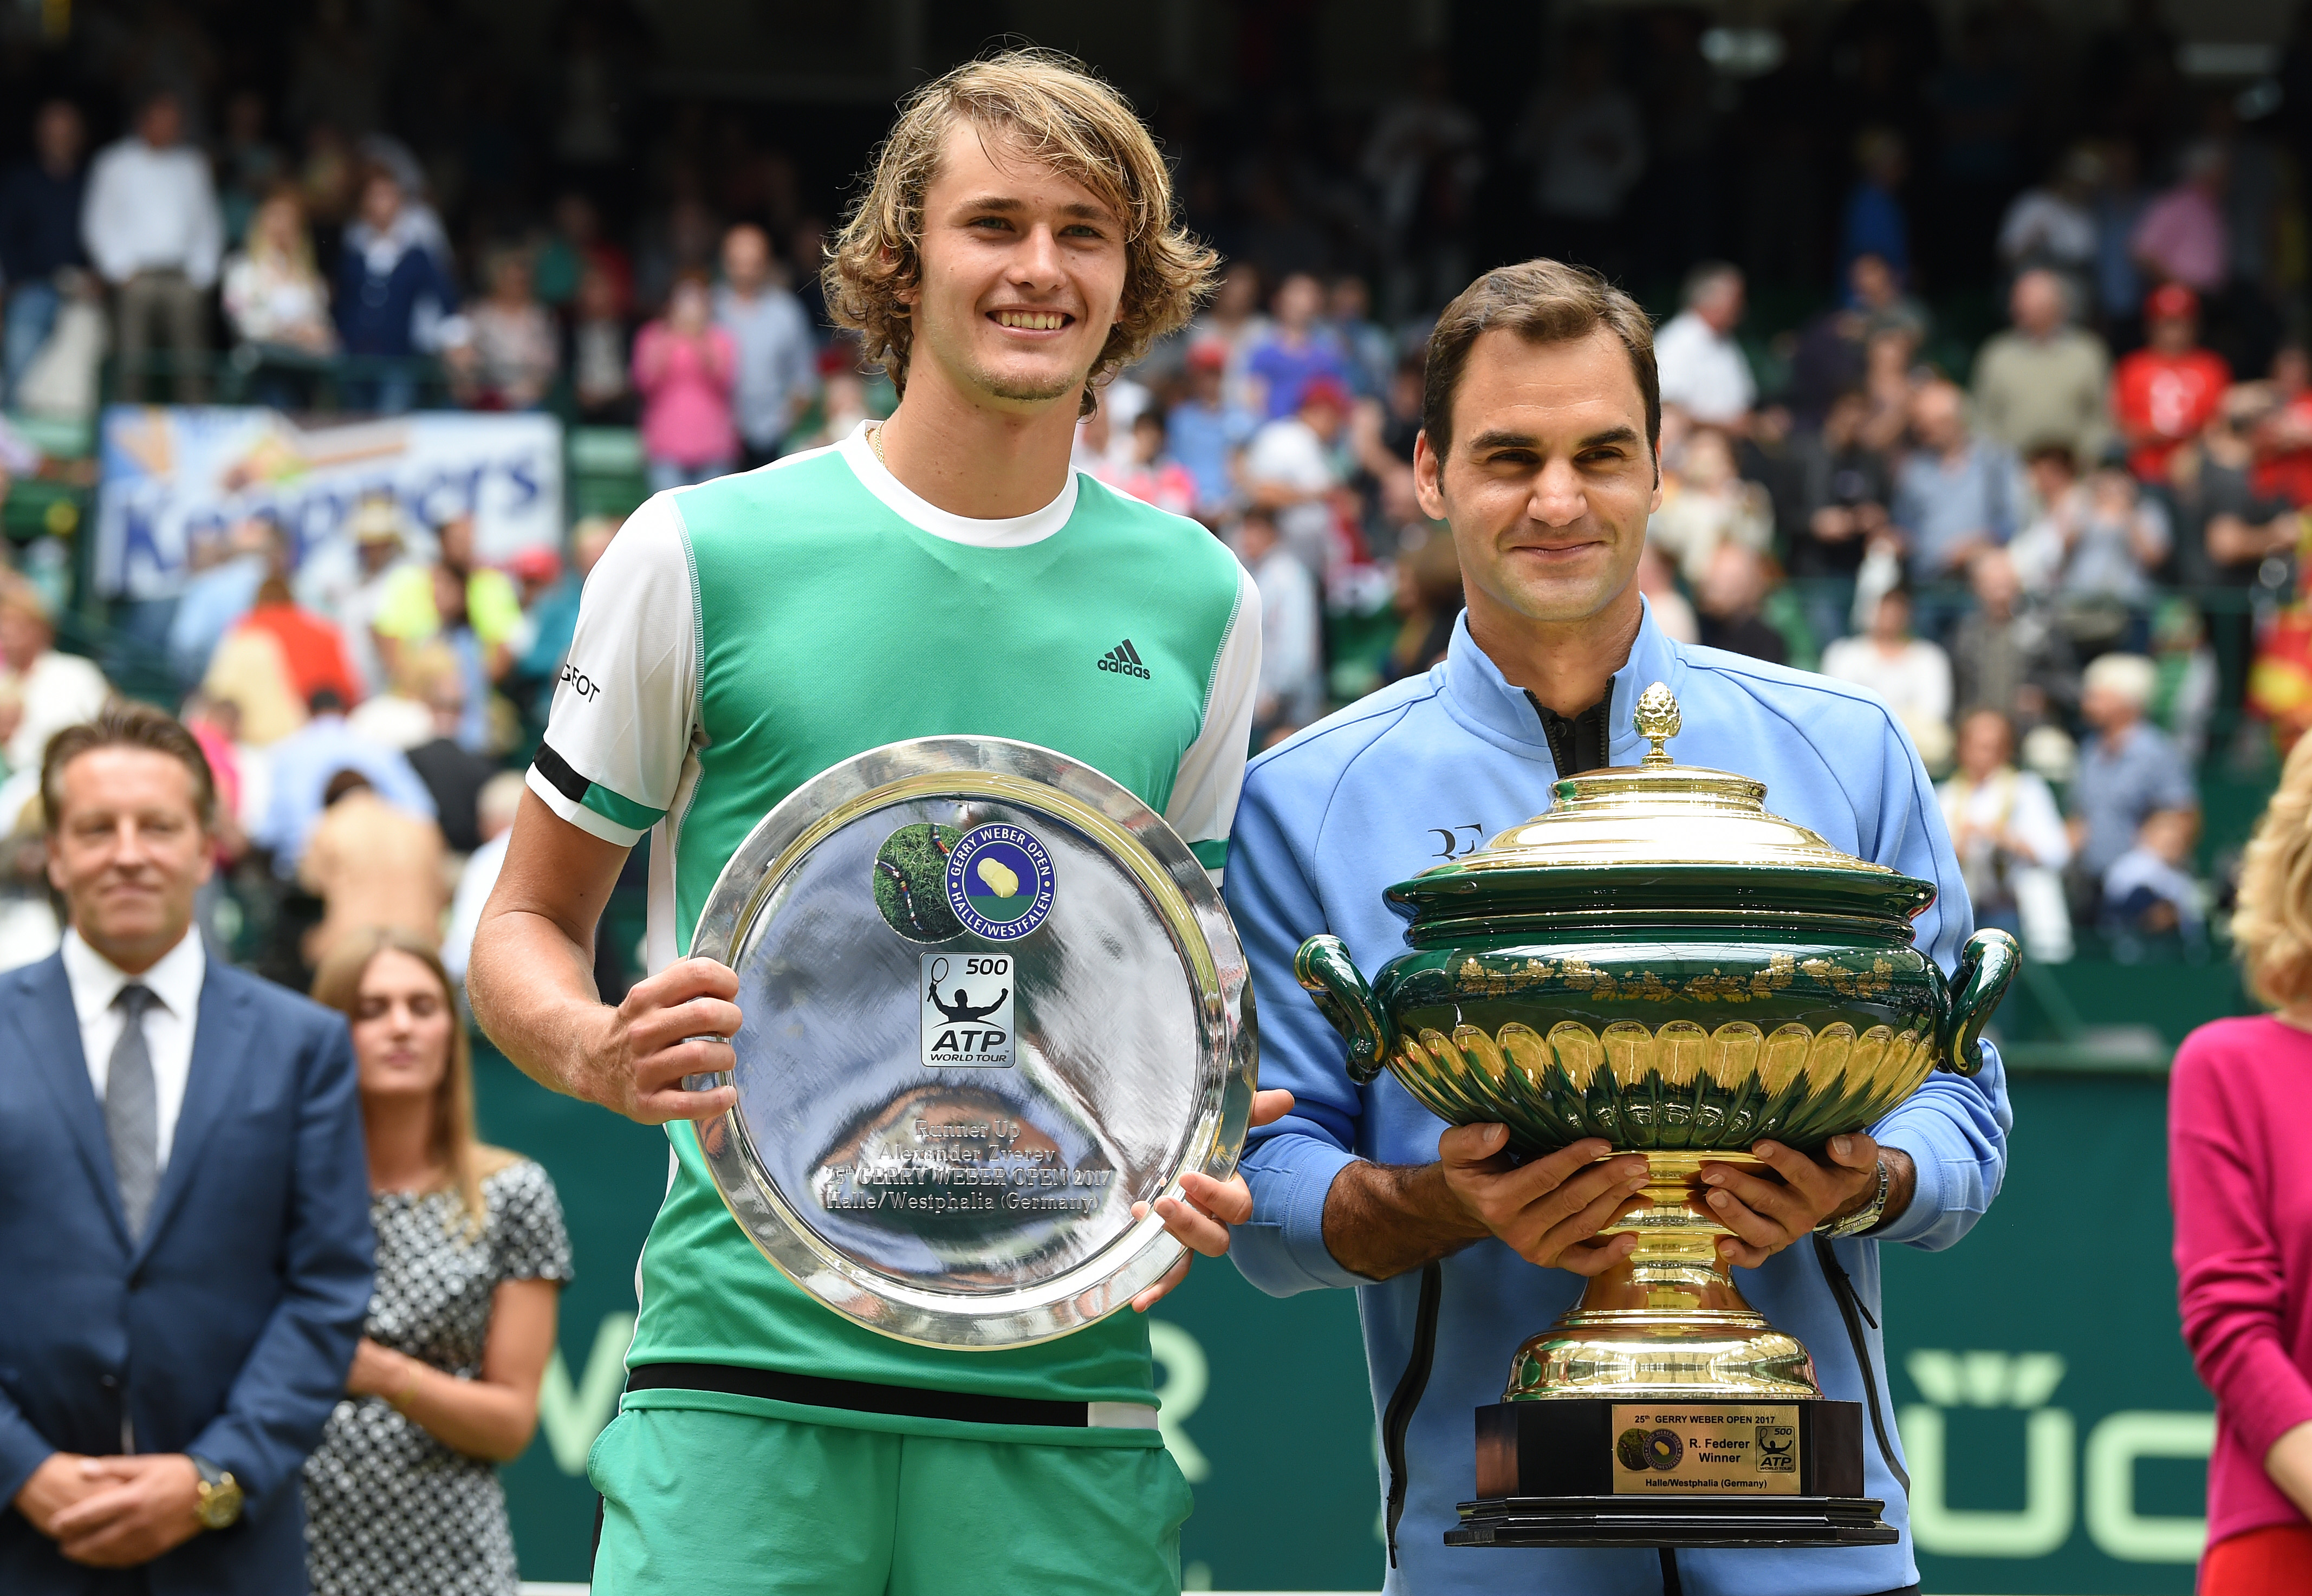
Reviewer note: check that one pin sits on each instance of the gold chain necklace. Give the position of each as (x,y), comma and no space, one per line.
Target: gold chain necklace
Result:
(875,442)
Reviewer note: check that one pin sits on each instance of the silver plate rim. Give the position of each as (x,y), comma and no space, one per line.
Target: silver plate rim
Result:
(1227,1072)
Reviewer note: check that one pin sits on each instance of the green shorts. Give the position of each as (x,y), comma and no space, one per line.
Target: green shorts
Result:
(700,1502)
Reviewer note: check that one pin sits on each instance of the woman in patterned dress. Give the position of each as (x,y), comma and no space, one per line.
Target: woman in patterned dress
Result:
(402,1496)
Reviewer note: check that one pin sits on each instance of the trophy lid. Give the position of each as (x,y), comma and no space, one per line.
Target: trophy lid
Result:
(1655,834)
(1659,813)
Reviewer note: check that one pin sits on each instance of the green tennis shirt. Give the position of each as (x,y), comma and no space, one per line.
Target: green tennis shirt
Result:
(740,636)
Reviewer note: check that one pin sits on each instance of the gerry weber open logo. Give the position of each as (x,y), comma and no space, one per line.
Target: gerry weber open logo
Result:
(999,882)
(1125,661)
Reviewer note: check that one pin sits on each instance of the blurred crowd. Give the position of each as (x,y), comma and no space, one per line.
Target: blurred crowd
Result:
(2028,570)
(365,722)
(1982,354)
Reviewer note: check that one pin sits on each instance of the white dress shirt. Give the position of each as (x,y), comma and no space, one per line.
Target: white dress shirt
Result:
(1292,637)
(1288,452)
(58,690)
(2014,801)
(151,210)
(1916,680)
(176,982)
(1702,371)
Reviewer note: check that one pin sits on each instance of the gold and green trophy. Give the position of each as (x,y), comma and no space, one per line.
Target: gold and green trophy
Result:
(1660,961)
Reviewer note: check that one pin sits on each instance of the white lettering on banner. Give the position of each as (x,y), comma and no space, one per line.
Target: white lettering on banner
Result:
(1985,1379)
(572,1417)
(2060,1485)
(1188,1375)
(176,476)
(2040,1526)
(2113,1523)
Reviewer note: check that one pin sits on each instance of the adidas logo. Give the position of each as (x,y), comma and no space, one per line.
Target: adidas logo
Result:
(1125,661)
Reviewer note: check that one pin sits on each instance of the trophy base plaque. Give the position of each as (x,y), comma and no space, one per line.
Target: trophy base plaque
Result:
(1682,1471)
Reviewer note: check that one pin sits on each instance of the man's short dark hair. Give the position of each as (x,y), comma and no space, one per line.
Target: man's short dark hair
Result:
(1543,301)
(122,724)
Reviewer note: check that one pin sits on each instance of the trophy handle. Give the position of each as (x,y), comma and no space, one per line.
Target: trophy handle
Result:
(1324,966)
(1985,965)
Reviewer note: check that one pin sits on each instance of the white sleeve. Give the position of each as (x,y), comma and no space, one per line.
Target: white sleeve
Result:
(1260,451)
(2035,822)
(1934,668)
(474,884)
(207,246)
(1203,807)
(621,730)
(1672,368)
(1290,651)
(98,218)
(798,356)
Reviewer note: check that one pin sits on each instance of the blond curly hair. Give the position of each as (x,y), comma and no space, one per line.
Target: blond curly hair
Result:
(1055,108)
(2272,927)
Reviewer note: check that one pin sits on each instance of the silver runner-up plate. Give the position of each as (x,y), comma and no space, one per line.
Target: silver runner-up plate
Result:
(992,1005)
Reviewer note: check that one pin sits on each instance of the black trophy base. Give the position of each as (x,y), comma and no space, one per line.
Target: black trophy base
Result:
(1593,1472)
(1636,1522)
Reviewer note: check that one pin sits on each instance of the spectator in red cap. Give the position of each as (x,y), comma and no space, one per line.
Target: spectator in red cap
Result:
(2165,393)
(1293,469)
(1206,433)
(535,570)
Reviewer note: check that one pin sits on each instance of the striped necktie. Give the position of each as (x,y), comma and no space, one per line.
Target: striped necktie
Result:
(132,1110)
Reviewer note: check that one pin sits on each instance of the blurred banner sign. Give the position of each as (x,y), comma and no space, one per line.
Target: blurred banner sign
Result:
(175,479)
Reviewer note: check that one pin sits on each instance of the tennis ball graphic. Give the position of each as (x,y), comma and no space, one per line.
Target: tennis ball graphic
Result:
(1000,881)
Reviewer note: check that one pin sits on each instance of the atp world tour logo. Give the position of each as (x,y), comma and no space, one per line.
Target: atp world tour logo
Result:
(999,882)
(967,1011)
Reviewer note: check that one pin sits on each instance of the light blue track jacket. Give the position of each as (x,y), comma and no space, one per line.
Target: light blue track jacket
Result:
(1378,793)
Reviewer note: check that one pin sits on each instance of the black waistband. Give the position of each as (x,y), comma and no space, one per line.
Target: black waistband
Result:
(856,1395)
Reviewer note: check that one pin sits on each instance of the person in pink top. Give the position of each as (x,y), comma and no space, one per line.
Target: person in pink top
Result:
(2180,237)
(684,369)
(2238,1100)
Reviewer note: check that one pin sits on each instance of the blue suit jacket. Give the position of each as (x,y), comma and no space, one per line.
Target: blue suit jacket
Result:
(227,1331)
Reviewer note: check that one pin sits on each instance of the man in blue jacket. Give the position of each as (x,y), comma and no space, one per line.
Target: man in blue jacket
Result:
(184,1209)
(395,301)
(1541,416)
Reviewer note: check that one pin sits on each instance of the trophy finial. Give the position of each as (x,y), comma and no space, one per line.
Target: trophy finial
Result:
(1657,722)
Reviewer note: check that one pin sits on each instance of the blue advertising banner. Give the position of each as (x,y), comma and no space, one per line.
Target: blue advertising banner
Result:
(173,478)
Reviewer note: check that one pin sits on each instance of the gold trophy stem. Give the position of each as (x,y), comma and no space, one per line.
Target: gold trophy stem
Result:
(1676,1267)
(1667,1322)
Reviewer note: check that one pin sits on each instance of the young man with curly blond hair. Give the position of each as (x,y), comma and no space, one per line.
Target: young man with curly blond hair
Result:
(945,572)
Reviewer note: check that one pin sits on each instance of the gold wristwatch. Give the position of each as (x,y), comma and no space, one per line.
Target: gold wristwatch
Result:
(220,1505)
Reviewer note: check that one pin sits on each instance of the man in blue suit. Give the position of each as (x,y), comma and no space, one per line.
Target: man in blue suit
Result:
(184,1208)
